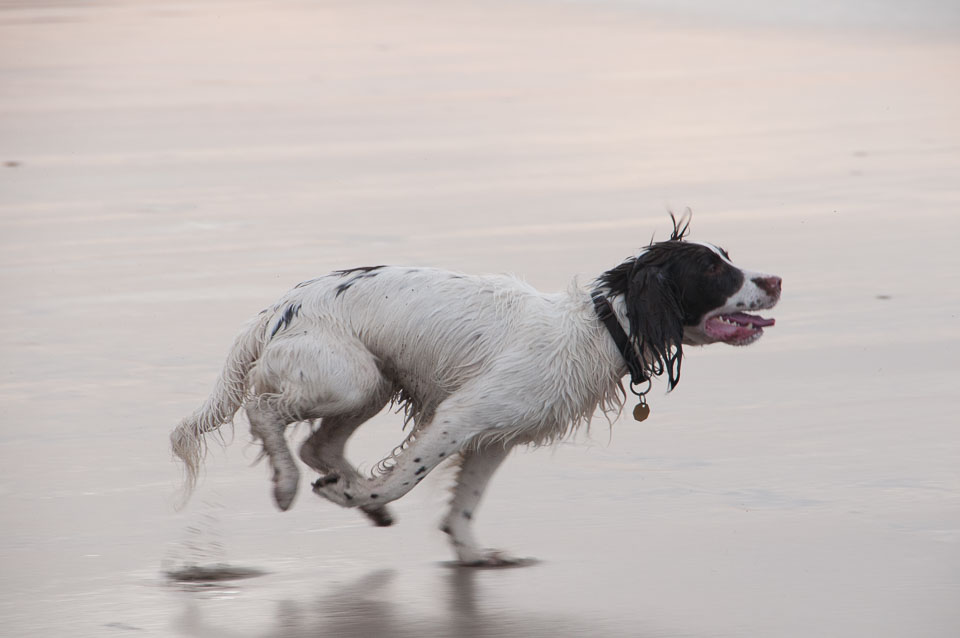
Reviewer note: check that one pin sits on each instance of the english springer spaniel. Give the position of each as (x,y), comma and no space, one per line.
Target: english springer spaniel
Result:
(477,364)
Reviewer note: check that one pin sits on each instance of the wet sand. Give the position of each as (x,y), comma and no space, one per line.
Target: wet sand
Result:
(167,171)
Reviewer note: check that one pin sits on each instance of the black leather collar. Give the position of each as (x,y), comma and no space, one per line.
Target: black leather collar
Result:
(606,314)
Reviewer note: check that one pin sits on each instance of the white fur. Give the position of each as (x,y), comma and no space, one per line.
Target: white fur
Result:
(479,363)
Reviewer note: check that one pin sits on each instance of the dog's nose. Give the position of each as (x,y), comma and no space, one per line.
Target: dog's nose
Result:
(771,285)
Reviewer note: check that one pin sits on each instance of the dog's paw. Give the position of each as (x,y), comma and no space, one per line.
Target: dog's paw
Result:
(285,486)
(379,515)
(283,496)
(323,481)
(336,489)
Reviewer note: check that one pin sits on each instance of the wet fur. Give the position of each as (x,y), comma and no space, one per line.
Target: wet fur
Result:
(478,364)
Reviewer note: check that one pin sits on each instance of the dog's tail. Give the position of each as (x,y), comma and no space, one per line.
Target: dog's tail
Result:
(229,391)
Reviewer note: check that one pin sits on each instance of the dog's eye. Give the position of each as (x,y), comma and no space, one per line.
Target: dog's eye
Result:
(714,268)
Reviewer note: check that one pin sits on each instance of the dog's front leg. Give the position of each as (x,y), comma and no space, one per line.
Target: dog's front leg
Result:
(476,469)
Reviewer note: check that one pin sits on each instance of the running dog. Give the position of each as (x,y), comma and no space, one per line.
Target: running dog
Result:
(477,364)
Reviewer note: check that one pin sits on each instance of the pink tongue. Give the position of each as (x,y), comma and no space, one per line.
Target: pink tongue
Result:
(723,330)
(742,317)
(721,327)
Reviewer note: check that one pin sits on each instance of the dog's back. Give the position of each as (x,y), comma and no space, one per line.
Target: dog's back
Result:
(429,330)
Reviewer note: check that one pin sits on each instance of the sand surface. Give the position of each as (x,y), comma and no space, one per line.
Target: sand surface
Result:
(168,169)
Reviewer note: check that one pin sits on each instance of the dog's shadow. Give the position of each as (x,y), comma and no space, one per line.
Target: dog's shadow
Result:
(365,607)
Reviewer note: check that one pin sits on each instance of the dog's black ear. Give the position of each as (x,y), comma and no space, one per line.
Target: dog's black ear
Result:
(656,321)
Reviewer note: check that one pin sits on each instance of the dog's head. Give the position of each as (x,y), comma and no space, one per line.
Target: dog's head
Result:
(680,292)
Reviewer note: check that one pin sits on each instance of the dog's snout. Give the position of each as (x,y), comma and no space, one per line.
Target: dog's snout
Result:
(771,285)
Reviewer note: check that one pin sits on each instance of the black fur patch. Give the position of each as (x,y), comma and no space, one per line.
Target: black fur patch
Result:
(360,269)
(308,282)
(671,285)
(362,272)
(288,315)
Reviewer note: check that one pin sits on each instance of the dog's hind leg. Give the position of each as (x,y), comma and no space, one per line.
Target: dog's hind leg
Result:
(324,449)
(324,452)
(267,423)
(441,439)
(308,375)
(476,469)
(447,434)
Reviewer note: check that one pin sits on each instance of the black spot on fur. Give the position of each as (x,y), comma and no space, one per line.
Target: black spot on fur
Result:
(416,460)
(359,269)
(374,496)
(286,318)
(467,515)
(356,274)
(349,497)
(421,470)
(307,282)
(442,454)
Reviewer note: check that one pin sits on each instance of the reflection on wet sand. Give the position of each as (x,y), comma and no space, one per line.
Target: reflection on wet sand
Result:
(366,608)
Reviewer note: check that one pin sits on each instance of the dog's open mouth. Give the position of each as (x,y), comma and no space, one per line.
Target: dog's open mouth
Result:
(737,328)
